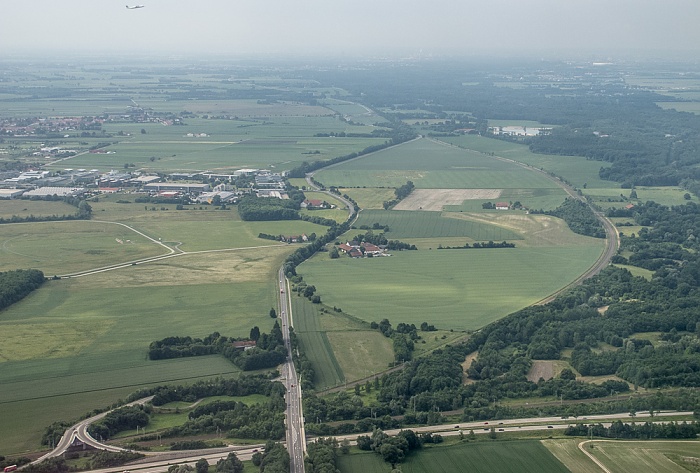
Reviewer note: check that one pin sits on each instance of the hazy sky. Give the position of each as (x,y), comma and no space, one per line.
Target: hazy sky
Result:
(603,28)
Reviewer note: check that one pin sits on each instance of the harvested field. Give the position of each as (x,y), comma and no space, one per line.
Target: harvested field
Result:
(435,199)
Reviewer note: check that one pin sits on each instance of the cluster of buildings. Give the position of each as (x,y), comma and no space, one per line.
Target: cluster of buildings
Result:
(193,186)
(517,130)
(359,250)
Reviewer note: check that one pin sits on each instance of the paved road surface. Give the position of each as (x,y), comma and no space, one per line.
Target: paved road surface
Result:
(296,437)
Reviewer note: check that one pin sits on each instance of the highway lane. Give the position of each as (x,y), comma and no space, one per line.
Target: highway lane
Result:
(296,436)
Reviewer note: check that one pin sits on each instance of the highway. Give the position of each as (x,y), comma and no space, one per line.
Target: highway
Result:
(160,462)
(296,437)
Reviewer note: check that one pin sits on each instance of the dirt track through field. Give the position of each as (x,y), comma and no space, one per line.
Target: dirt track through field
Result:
(436,199)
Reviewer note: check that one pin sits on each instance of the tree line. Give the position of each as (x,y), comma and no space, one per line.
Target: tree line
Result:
(18,284)
(645,431)
(269,350)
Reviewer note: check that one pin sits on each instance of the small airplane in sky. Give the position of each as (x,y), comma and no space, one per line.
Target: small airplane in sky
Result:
(135,7)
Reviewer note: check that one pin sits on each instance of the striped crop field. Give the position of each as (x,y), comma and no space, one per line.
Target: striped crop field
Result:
(432,165)
(579,171)
(458,289)
(340,347)
(518,456)
(411,224)
(314,342)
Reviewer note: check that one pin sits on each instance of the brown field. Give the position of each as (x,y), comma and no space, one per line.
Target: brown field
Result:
(435,199)
(465,366)
(547,369)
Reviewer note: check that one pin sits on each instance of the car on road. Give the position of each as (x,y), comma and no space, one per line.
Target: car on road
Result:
(550,427)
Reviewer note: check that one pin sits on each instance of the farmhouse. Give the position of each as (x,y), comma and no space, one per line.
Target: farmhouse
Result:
(315,204)
(244,344)
(345,248)
(371,249)
(358,250)
(502,205)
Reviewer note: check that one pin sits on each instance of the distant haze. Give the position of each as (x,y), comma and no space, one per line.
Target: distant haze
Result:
(346,28)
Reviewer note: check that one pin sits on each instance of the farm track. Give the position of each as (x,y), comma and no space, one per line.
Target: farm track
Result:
(172,252)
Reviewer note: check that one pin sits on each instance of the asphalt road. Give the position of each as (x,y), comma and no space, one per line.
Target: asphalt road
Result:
(296,437)
(159,464)
(79,432)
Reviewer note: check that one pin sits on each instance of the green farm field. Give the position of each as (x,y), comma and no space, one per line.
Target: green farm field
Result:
(38,208)
(459,289)
(517,456)
(68,246)
(538,199)
(278,143)
(432,165)
(369,198)
(577,170)
(91,334)
(410,224)
(339,347)
(72,337)
(656,456)
(314,342)
(662,195)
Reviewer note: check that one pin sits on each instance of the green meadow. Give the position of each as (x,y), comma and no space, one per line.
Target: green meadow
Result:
(369,198)
(658,456)
(517,456)
(80,343)
(68,246)
(459,289)
(340,348)
(537,199)
(432,165)
(37,208)
(577,170)
(411,224)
